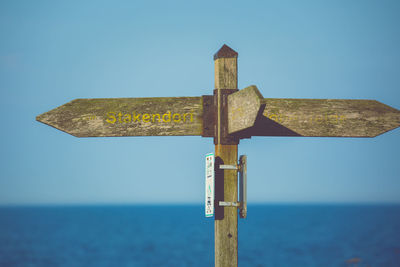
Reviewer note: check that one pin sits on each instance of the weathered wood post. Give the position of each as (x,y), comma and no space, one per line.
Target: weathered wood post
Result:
(226,150)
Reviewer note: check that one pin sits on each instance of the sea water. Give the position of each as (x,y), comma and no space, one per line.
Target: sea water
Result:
(150,235)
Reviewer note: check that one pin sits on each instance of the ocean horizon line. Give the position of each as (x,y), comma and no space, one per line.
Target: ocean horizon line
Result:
(178,204)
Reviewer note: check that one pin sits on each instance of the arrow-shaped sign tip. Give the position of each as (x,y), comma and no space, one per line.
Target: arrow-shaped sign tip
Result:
(58,119)
(243,108)
(387,116)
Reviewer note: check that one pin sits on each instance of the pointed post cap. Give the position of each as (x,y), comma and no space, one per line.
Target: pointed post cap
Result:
(225,52)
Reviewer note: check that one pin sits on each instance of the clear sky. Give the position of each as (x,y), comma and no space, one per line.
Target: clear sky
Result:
(54,51)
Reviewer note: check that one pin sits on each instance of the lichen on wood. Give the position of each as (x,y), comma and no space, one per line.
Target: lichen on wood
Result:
(330,117)
(158,116)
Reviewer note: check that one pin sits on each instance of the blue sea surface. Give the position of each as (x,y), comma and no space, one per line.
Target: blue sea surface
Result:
(272,235)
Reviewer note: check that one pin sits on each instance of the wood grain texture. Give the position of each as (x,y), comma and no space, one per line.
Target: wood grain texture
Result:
(226,242)
(225,73)
(159,116)
(226,230)
(325,117)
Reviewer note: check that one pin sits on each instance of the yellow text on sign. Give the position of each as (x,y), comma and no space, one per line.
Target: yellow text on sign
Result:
(318,119)
(168,117)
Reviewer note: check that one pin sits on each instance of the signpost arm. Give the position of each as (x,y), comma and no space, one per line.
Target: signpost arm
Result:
(226,148)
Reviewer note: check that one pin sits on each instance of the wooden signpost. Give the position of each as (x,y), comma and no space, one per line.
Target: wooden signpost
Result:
(228,116)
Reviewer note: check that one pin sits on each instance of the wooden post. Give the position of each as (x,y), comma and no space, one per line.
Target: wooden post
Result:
(226,149)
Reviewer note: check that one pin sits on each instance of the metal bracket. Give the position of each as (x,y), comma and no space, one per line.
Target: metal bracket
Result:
(242,203)
(208,116)
(221,103)
(228,167)
(243,186)
(229,204)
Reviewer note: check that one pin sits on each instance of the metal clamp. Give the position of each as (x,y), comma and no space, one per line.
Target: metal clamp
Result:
(229,204)
(228,167)
(242,203)
(243,186)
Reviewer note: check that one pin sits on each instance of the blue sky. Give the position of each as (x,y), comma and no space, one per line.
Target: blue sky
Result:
(54,51)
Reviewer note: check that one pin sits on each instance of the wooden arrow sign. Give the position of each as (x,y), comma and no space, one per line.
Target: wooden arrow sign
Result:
(248,115)
(324,117)
(128,116)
